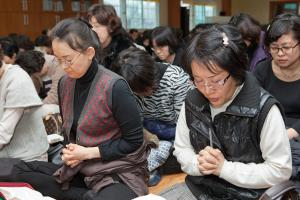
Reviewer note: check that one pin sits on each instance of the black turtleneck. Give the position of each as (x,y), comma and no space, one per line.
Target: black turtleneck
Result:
(82,88)
(123,103)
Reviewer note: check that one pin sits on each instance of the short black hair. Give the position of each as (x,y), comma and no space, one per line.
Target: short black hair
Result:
(77,33)
(249,27)
(31,61)
(24,42)
(138,68)
(133,30)
(220,45)
(1,56)
(283,24)
(9,48)
(42,41)
(165,36)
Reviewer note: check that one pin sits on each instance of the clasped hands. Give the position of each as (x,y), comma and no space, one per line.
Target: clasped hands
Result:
(210,161)
(73,154)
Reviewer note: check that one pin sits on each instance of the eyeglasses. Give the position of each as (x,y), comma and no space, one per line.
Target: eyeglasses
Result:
(212,85)
(285,50)
(68,63)
(157,48)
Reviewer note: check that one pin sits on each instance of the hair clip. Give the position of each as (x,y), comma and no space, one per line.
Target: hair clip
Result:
(225,39)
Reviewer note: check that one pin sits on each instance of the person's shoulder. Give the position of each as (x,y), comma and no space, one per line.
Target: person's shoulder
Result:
(194,97)
(175,69)
(122,42)
(177,73)
(264,65)
(16,72)
(263,69)
(108,72)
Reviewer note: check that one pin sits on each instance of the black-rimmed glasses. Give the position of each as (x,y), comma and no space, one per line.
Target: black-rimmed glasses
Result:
(285,50)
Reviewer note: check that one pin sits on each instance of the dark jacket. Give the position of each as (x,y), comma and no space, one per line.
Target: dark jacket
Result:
(236,132)
(260,53)
(118,43)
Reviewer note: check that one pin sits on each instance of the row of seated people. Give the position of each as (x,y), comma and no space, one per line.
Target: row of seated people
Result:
(229,133)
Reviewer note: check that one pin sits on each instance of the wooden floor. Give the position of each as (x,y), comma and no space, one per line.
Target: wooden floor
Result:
(167,181)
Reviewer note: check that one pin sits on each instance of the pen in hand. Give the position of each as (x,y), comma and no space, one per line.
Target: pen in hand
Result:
(210,138)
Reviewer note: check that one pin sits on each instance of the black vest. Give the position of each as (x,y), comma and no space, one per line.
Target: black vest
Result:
(236,132)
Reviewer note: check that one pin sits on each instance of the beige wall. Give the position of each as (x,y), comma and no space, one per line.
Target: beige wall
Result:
(163,12)
(259,9)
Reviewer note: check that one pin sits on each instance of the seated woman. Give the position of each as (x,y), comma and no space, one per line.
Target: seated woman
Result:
(22,133)
(281,75)
(105,155)
(112,35)
(166,45)
(230,135)
(161,89)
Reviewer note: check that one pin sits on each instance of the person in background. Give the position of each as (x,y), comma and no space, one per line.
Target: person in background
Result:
(145,41)
(166,45)
(43,44)
(253,36)
(22,133)
(160,89)
(51,72)
(10,50)
(230,135)
(55,72)
(105,155)
(134,34)
(197,29)
(32,62)
(24,43)
(108,26)
(280,75)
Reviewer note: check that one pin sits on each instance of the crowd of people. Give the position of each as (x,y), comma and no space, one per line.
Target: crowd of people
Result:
(220,105)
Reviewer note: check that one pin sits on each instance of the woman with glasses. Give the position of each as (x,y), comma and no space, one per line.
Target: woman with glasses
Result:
(108,26)
(281,75)
(105,153)
(230,136)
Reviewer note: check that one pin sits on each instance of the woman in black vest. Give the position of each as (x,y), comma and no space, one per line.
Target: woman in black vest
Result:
(105,154)
(230,136)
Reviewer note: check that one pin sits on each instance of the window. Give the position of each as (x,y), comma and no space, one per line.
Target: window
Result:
(140,14)
(199,13)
